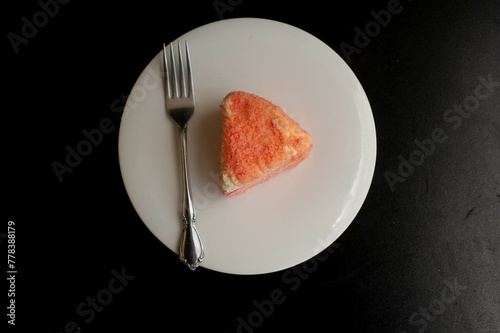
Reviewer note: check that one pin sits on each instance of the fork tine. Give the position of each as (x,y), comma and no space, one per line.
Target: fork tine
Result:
(174,82)
(182,80)
(165,73)
(189,73)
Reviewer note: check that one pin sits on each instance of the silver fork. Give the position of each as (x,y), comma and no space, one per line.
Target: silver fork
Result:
(180,107)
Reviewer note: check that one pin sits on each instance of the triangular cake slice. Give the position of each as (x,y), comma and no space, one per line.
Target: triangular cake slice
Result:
(259,140)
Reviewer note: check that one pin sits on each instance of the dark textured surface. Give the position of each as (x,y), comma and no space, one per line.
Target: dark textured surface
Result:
(423,254)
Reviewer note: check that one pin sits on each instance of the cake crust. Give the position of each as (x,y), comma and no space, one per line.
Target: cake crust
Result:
(259,140)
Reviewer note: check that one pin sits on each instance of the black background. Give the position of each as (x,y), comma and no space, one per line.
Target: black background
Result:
(406,247)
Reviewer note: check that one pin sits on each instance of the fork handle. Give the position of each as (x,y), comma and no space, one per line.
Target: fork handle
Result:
(191,251)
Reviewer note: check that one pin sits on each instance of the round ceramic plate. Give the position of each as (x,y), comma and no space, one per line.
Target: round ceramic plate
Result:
(296,214)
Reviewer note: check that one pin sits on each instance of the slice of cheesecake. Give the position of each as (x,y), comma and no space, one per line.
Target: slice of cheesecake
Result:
(259,140)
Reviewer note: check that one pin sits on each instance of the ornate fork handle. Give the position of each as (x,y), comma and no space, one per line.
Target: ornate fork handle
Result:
(191,248)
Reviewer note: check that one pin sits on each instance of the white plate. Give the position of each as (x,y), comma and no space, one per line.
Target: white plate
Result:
(298,213)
